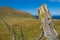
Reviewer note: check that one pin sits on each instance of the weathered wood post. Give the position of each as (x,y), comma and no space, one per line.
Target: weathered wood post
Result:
(22,35)
(14,34)
(47,23)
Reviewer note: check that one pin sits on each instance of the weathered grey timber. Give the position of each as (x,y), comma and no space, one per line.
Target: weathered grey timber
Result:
(14,34)
(47,23)
(22,35)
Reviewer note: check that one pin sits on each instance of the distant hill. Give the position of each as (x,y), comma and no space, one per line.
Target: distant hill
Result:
(10,12)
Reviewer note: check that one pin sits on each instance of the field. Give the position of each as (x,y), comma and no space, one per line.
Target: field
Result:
(15,19)
(31,28)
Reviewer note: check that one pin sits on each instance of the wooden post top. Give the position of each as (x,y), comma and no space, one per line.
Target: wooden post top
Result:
(42,11)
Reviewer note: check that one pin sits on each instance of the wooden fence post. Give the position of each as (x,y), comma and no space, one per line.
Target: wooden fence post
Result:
(14,34)
(22,35)
(47,23)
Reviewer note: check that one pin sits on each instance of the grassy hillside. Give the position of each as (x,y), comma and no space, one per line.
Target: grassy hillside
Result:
(17,19)
(9,12)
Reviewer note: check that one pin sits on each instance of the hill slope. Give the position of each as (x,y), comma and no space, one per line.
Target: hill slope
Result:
(9,12)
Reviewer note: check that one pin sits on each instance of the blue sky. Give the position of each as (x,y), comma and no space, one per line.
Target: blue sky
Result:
(32,5)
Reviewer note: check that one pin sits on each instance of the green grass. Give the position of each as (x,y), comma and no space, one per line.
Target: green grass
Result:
(31,29)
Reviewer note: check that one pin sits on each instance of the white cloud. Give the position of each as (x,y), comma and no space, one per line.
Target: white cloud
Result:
(53,0)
